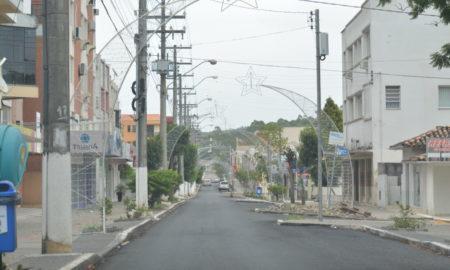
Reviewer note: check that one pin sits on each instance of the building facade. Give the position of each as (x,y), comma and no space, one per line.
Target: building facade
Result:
(129,126)
(390,92)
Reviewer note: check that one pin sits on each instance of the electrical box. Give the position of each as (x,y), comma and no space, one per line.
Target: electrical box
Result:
(324,51)
(162,66)
(8,231)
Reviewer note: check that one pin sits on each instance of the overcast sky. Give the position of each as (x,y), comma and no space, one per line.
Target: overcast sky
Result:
(211,30)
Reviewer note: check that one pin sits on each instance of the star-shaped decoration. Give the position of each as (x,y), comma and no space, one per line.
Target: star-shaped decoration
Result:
(228,3)
(251,82)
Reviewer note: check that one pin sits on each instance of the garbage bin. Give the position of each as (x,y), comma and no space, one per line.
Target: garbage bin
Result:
(8,232)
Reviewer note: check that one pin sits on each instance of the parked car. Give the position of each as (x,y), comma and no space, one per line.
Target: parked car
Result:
(224,186)
(216,180)
(207,182)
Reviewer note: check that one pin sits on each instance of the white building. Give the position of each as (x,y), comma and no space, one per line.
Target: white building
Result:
(390,93)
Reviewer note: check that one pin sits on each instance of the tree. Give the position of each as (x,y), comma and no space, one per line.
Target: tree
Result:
(308,147)
(277,190)
(190,162)
(440,59)
(162,183)
(272,133)
(291,158)
(334,112)
(220,170)
(154,153)
(256,125)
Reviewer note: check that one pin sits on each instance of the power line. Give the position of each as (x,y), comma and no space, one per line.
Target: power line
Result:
(115,27)
(362,7)
(262,9)
(328,70)
(251,37)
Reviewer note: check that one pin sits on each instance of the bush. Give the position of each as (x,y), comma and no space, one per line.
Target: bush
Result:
(108,207)
(162,183)
(406,221)
(277,190)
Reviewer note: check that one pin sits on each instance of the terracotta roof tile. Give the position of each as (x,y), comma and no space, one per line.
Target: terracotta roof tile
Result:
(420,141)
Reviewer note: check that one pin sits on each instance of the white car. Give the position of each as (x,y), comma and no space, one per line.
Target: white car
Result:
(224,186)
(206,182)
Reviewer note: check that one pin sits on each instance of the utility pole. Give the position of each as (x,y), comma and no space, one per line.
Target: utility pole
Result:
(56,160)
(319,109)
(141,108)
(163,94)
(162,67)
(180,99)
(185,113)
(175,80)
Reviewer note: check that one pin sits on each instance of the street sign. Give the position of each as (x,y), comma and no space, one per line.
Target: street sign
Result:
(336,138)
(342,151)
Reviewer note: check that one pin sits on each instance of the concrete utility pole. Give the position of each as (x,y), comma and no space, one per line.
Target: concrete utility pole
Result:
(163,94)
(56,161)
(163,69)
(319,109)
(175,81)
(141,108)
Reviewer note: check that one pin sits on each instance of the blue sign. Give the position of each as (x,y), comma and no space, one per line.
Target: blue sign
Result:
(342,151)
(258,191)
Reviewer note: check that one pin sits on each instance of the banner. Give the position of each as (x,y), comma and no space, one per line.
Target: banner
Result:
(438,148)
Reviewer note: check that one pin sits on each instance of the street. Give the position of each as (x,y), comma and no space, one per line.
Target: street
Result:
(214,232)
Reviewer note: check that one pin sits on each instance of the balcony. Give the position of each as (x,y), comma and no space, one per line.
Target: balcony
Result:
(10,6)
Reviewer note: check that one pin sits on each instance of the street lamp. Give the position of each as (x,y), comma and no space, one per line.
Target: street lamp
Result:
(210,61)
(203,100)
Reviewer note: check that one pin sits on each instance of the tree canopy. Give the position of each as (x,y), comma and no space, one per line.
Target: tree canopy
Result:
(334,112)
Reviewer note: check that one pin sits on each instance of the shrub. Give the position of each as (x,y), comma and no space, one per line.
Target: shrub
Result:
(162,183)
(406,221)
(277,190)
(108,207)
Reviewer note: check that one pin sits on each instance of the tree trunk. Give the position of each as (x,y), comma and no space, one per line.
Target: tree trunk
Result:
(292,187)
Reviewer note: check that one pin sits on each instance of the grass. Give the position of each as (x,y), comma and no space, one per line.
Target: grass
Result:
(294,217)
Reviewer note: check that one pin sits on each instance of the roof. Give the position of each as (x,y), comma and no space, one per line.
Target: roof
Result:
(356,15)
(420,141)
(152,119)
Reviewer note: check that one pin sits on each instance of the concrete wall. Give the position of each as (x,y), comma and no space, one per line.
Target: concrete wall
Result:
(441,190)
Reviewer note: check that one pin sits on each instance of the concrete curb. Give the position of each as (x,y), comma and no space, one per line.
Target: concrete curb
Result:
(253,201)
(90,259)
(436,247)
(257,210)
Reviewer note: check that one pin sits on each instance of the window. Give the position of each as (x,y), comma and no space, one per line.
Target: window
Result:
(131,128)
(350,109)
(358,110)
(444,97)
(367,102)
(18,45)
(392,97)
(366,42)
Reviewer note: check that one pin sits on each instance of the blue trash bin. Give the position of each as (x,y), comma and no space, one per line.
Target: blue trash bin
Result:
(8,232)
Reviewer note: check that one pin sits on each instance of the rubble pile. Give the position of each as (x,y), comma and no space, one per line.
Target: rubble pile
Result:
(341,210)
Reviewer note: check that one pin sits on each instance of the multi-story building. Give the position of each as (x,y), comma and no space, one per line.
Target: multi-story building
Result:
(390,92)
(129,126)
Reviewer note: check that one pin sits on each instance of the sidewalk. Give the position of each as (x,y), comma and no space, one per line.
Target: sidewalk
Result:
(88,247)
(435,236)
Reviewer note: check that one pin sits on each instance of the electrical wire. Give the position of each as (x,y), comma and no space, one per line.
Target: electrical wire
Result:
(362,7)
(261,9)
(328,70)
(251,37)
(117,30)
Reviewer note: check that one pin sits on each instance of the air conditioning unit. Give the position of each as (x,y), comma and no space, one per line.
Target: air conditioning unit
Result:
(76,33)
(81,69)
(92,2)
(96,11)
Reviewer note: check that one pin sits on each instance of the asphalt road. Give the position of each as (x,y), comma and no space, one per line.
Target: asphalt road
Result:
(214,232)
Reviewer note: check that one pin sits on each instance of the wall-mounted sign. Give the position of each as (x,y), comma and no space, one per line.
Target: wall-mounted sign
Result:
(438,148)
(84,142)
(342,151)
(336,138)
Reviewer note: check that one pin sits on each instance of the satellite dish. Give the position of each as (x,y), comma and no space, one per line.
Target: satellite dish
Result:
(3,85)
